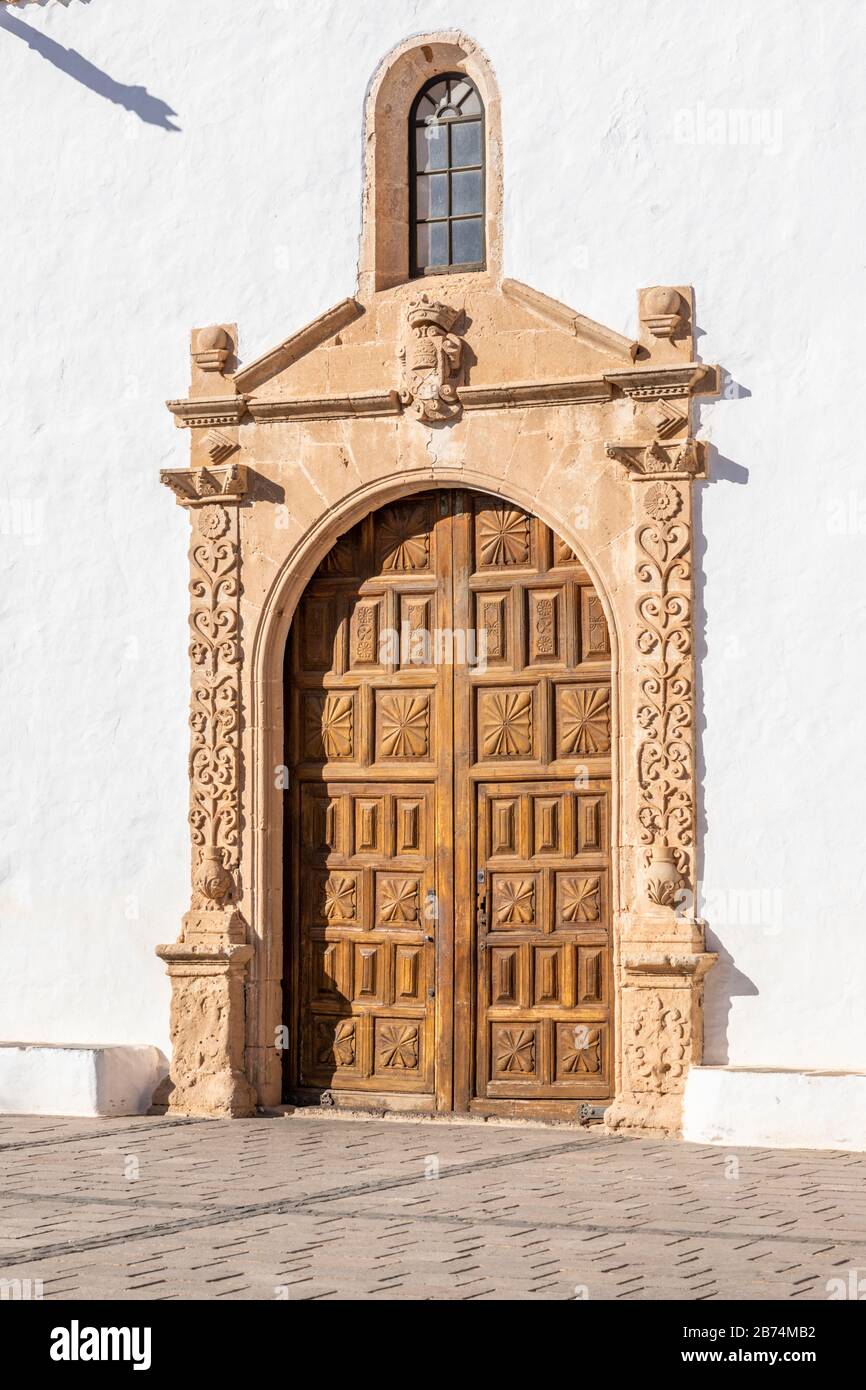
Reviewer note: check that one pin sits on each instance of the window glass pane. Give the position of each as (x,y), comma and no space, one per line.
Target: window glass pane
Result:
(466,241)
(431,147)
(466,143)
(432,196)
(459,89)
(432,244)
(471,106)
(437,92)
(465,192)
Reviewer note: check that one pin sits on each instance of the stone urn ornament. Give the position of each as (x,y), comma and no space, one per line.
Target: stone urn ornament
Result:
(663,879)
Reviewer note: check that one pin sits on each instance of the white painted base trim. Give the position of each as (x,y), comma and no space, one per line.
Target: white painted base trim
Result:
(66,1079)
(775,1109)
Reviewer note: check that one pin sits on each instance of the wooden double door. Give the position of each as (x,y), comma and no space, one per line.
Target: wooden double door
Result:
(448,932)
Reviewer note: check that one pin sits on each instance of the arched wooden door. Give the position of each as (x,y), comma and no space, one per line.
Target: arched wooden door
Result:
(448,935)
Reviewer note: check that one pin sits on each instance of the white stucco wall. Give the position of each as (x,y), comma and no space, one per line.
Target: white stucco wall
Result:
(119,235)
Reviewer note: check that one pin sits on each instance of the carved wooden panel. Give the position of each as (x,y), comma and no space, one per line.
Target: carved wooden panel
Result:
(538,739)
(369,757)
(543,943)
(449,749)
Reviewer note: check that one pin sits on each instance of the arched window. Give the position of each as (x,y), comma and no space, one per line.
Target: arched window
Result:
(446,141)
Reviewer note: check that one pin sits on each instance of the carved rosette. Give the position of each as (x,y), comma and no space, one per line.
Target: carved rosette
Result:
(208,965)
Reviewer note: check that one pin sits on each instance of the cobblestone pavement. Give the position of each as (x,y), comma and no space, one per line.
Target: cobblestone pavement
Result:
(304,1207)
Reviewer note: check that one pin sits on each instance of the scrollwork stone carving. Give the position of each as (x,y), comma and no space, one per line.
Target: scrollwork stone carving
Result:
(665,761)
(214,705)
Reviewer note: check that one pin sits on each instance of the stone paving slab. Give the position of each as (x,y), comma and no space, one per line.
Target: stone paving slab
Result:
(313,1207)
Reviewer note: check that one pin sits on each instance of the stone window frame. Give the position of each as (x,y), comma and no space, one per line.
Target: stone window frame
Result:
(384,260)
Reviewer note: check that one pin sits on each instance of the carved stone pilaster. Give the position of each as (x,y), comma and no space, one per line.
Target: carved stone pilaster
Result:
(665,714)
(207,966)
(662,963)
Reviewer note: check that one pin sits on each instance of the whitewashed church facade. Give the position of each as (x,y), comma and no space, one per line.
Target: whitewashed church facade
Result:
(490,304)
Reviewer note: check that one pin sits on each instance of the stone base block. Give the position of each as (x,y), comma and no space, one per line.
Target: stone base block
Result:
(775,1109)
(73,1079)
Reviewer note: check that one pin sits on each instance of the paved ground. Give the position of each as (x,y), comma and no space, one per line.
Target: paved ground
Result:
(301,1208)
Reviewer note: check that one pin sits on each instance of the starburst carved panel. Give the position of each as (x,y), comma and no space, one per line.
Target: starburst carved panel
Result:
(502,536)
(404,725)
(505,723)
(583,718)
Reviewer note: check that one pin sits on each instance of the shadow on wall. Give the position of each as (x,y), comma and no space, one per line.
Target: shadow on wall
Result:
(138,100)
(725,981)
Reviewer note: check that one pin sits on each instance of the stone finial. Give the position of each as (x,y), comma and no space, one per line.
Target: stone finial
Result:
(212,349)
(663,311)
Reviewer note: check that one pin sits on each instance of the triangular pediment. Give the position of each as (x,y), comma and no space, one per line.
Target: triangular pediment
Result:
(512,333)
(443,344)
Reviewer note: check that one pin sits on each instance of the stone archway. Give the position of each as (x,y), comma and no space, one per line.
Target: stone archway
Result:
(585,429)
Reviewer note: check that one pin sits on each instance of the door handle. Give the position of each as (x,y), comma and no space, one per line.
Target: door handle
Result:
(481,916)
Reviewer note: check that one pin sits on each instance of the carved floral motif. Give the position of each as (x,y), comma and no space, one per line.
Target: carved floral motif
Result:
(404,538)
(405,725)
(545,627)
(515,1050)
(662,501)
(214,706)
(579,1049)
(658,1045)
(579,898)
(503,535)
(339,898)
(506,723)
(665,760)
(398,900)
(330,726)
(335,1042)
(515,901)
(398,1045)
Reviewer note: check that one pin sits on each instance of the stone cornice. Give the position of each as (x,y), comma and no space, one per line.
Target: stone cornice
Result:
(692,378)
(689,963)
(327,407)
(534,393)
(208,411)
(648,383)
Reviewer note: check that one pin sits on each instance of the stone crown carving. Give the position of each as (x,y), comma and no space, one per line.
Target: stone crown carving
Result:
(432,360)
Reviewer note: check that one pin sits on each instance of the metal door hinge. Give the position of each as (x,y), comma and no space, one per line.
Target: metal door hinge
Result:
(588,1112)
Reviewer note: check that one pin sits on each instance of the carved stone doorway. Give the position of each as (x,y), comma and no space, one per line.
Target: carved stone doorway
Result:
(448,876)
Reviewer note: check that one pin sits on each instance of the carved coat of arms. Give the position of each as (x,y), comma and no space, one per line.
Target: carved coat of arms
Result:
(432,361)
